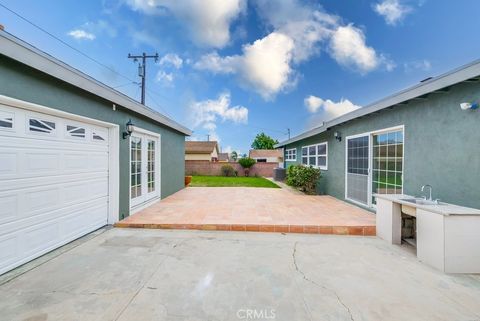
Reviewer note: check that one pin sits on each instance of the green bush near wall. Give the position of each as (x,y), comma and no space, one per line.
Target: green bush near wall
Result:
(303,177)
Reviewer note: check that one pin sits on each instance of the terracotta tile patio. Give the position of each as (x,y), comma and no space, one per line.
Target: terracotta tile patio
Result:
(255,210)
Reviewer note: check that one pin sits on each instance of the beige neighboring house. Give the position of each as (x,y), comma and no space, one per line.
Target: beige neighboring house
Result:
(223,157)
(198,150)
(267,155)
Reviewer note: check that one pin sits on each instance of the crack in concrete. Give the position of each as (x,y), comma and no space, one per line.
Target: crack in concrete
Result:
(318,285)
(148,280)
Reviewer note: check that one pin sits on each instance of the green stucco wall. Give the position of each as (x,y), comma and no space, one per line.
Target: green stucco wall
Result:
(442,146)
(22,82)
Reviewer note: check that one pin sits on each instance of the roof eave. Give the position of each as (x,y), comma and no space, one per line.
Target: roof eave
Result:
(22,52)
(448,79)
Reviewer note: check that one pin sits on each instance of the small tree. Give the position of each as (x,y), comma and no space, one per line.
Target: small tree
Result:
(246,163)
(234,156)
(263,141)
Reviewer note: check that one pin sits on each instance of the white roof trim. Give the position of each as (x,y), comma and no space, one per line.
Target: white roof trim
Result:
(25,53)
(448,79)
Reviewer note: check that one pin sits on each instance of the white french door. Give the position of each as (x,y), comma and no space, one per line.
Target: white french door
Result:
(144,168)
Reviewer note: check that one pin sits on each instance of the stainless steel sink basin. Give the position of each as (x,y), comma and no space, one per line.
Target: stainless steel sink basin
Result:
(420,201)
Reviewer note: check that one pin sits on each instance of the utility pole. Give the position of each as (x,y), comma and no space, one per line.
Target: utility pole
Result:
(288,130)
(142,69)
(208,137)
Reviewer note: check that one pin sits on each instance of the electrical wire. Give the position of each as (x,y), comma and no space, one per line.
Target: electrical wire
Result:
(131,81)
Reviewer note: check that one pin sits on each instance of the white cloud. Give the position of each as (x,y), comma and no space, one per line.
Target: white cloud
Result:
(393,11)
(349,49)
(171,60)
(313,103)
(80,34)
(423,65)
(205,114)
(165,78)
(213,62)
(264,65)
(306,26)
(325,110)
(208,21)
(91,29)
(268,65)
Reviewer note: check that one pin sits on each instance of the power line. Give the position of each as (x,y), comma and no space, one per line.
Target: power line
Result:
(63,42)
(131,81)
(126,84)
(158,105)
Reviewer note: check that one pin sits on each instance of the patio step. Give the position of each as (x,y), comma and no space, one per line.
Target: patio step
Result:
(307,229)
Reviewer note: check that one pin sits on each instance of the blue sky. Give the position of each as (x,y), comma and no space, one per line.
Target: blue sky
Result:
(233,68)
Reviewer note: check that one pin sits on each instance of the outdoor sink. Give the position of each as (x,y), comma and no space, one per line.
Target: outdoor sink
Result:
(420,201)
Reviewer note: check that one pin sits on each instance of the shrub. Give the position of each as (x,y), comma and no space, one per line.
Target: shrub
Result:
(228,170)
(246,163)
(303,177)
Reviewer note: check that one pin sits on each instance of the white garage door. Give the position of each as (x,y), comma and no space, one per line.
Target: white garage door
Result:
(53,183)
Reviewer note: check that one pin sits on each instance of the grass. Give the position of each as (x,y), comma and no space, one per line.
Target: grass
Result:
(220,181)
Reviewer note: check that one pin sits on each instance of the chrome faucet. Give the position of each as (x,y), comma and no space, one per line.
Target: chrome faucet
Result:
(430,189)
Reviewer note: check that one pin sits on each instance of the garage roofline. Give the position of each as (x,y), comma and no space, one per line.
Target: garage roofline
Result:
(440,83)
(19,50)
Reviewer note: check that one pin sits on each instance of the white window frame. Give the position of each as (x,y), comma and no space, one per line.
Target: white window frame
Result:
(315,155)
(294,154)
(155,196)
(370,161)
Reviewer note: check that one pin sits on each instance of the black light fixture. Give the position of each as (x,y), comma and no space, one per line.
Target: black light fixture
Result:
(129,127)
(338,136)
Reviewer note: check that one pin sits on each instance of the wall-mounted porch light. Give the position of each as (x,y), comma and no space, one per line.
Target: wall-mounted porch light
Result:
(129,127)
(337,136)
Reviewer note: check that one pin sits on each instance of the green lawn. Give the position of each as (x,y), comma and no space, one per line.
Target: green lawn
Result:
(220,181)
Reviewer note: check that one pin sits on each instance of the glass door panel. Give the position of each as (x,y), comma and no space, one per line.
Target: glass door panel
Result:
(387,176)
(136,169)
(358,169)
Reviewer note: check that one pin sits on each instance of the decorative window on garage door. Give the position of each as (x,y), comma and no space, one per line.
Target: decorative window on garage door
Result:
(75,131)
(37,125)
(6,121)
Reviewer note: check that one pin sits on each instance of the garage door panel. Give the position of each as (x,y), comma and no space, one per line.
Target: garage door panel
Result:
(40,144)
(83,220)
(8,208)
(48,203)
(54,183)
(8,163)
(85,191)
(20,222)
(23,245)
(11,185)
(39,200)
(8,250)
(35,164)
(39,237)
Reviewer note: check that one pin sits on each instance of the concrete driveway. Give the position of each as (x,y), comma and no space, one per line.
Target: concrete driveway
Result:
(131,274)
